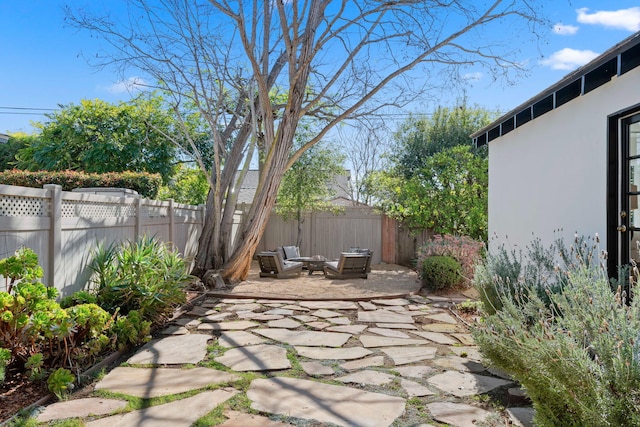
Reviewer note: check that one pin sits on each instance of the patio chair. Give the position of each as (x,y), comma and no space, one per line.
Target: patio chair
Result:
(289,252)
(272,265)
(349,266)
(358,250)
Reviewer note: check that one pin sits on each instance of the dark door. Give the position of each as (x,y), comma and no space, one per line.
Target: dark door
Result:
(628,227)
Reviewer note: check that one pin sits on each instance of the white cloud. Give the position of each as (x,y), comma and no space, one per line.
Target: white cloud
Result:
(568,59)
(625,19)
(477,76)
(565,30)
(132,84)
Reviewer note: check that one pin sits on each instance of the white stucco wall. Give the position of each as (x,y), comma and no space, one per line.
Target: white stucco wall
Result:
(551,173)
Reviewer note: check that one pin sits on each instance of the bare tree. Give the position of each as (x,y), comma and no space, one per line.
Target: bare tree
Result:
(366,145)
(253,69)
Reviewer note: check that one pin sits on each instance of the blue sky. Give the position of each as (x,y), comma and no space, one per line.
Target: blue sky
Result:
(43,64)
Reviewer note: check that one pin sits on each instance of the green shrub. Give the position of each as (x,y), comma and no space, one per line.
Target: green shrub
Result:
(463,249)
(60,383)
(440,272)
(576,351)
(5,358)
(144,183)
(542,269)
(130,330)
(22,266)
(144,275)
(80,297)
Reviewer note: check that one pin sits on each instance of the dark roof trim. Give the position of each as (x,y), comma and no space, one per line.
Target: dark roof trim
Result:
(616,61)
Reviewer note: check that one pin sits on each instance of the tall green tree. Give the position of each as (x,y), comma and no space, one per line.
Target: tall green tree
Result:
(309,184)
(97,136)
(8,151)
(330,59)
(189,185)
(420,137)
(446,195)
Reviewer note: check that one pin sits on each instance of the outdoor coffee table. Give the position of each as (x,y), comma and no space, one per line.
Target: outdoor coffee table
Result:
(311,263)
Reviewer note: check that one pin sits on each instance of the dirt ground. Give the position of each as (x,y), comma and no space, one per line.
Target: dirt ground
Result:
(384,281)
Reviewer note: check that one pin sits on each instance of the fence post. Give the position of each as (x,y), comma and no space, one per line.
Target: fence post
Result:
(172,223)
(138,230)
(55,232)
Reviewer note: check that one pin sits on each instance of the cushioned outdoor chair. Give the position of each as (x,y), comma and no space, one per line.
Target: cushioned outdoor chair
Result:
(349,266)
(288,252)
(272,265)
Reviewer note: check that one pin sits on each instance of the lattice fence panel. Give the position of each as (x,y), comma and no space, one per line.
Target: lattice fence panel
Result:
(19,206)
(84,209)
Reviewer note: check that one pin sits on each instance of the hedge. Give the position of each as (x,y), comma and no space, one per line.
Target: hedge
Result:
(144,183)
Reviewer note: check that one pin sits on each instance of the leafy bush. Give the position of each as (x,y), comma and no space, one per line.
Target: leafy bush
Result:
(440,272)
(576,351)
(22,266)
(5,357)
(145,184)
(60,383)
(463,249)
(144,275)
(130,330)
(542,269)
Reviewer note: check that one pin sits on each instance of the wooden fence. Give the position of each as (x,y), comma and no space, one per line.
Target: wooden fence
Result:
(328,234)
(63,227)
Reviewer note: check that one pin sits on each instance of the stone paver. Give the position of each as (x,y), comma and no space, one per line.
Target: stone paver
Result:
(238,419)
(405,355)
(367,377)
(218,317)
(521,417)
(459,364)
(305,318)
(172,350)
(244,307)
(386,332)
(250,315)
(394,301)
(443,318)
(457,414)
(347,329)
(174,330)
(243,301)
(344,406)
(383,316)
(441,327)
(329,305)
(80,408)
(261,357)
(415,389)
(237,325)
(465,339)
(307,338)
(239,339)
(284,323)
(468,352)
(318,326)
(436,337)
(396,325)
(320,353)
(464,383)
(280,311)
(316,368)
(175,414)
(343,321)
(363,363)
(147,383)
(414,371)
(370,341)
(325,314)
(367,305)
(295,307)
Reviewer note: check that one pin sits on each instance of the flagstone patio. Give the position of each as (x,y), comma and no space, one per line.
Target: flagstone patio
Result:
(360,372)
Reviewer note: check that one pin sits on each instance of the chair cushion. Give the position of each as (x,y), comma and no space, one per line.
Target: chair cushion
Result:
(291,252)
